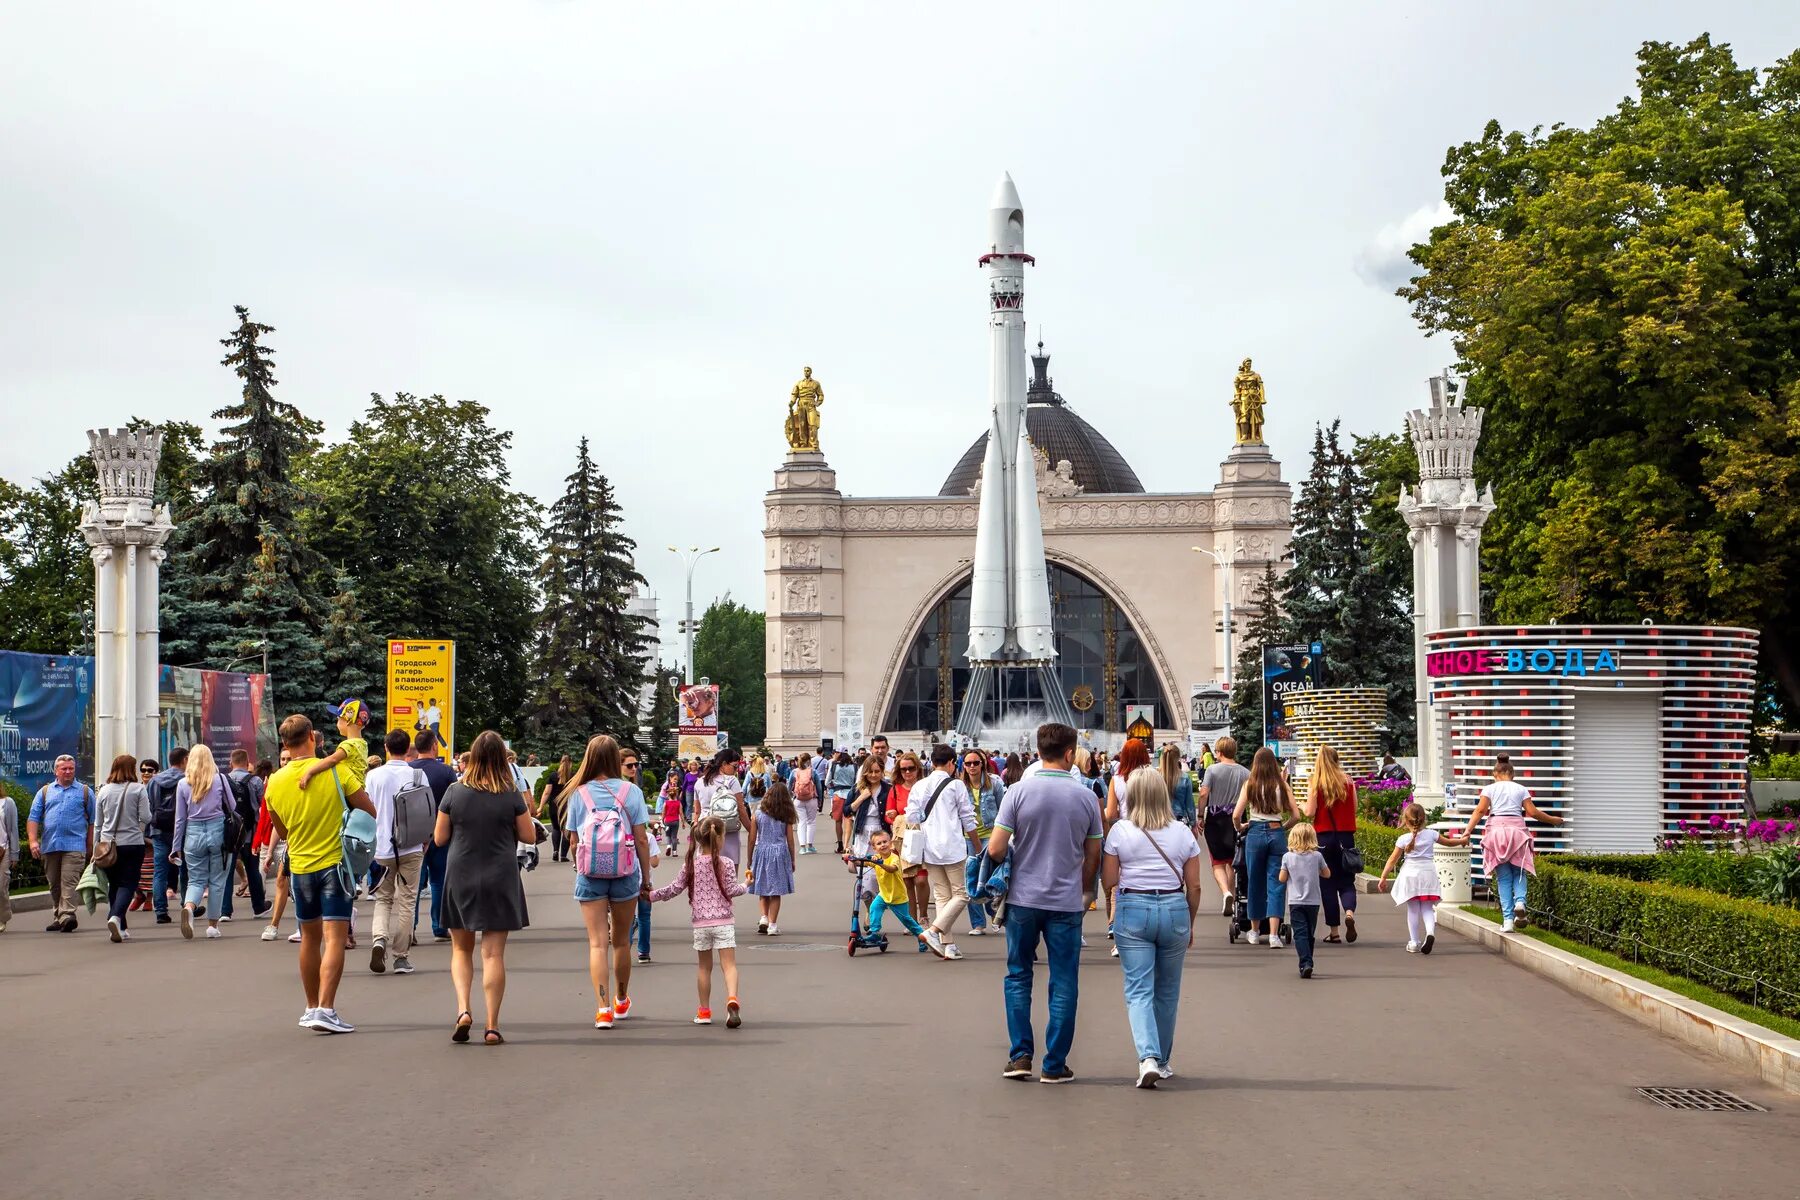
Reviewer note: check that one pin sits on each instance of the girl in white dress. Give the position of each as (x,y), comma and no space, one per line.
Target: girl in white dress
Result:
(1416,886)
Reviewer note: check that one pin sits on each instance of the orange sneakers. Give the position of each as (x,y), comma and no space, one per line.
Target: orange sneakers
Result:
(622,1008)
(603,1019)
(703,1016)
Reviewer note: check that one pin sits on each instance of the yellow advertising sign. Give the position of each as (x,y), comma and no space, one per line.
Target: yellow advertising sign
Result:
(421,689)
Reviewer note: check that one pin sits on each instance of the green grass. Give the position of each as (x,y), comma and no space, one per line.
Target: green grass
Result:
(1773,1022)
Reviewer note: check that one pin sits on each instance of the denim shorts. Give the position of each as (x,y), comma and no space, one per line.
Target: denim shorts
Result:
(320,895)
(625,887)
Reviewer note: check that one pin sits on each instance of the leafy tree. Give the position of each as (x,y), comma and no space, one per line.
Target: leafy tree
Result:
(592,648)
(729,651)
(1388,463)
(241,577)
(46,573)
(352,655)
(417,506)
(1265,628)
(1626,299)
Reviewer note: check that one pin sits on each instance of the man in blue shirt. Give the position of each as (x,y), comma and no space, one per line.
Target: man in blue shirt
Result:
(1052,826)
(61,829)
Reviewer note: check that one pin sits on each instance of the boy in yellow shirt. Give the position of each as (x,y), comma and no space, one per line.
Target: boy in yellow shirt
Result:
(352,751)
(890,884)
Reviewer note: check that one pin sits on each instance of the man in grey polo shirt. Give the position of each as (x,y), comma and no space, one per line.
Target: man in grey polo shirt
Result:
(1052,826)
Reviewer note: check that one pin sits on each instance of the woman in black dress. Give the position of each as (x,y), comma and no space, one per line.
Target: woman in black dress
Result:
(481,820)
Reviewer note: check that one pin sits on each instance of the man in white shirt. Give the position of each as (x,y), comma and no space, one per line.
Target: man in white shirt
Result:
(397,895)
(939,807)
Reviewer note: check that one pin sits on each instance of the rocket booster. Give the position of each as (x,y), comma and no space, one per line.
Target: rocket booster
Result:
(1009,609)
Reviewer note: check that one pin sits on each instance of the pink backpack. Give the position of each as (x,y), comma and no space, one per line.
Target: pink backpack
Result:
(606,849)
(803,785)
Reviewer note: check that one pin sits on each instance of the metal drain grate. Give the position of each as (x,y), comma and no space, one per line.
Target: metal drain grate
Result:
(1698,1099)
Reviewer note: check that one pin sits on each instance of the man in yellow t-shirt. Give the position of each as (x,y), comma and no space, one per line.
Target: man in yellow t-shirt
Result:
(310,816)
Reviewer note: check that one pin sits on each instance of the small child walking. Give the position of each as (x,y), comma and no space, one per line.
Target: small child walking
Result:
(1416,885)
(711,881)
(1301,869)
(772,851)
(671,809)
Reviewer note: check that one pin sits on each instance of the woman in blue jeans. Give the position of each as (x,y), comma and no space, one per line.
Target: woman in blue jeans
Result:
(1152,862)
(985,793)
(200,800)
(1265,808)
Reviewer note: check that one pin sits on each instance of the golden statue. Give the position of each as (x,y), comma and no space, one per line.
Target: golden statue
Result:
(803,415)
(1247,403)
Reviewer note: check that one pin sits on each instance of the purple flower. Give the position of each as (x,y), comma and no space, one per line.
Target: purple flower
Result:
(1717,821)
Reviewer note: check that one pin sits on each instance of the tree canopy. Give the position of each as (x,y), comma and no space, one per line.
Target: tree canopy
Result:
(729,651)
(1626,301)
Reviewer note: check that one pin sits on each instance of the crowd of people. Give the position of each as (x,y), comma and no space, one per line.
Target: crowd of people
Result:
(1022,844)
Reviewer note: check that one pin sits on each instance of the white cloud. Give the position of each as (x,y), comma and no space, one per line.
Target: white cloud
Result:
(1383,262)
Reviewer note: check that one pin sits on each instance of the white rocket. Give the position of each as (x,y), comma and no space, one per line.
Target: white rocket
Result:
(1009,607)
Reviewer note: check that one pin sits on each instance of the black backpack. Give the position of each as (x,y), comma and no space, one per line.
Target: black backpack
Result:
(245,827)
(162,806)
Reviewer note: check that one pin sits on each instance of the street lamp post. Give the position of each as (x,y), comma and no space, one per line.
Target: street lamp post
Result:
(691,556)
(1224,565)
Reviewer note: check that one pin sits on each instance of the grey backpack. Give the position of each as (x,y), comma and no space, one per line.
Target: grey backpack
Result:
(415,813)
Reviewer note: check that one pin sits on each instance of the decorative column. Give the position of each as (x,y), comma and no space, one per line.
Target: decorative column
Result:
(803,572)
(1444,516)
(125,532)
(1252,519)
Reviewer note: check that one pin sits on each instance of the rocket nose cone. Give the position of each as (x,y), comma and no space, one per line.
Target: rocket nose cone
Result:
(1005,194)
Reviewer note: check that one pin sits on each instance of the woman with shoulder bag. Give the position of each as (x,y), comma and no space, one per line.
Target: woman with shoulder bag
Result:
(202,800)
(1331,807)
(1265,808)
(121,814)
(1152,864)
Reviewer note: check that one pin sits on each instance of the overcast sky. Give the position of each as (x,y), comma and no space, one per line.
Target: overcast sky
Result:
(640,222)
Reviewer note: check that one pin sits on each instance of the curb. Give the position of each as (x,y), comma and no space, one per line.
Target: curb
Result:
(31,902)
(1762,1052)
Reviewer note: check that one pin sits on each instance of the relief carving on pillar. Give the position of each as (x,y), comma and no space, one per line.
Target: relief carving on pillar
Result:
(802,595)
(800,554)
(800,648)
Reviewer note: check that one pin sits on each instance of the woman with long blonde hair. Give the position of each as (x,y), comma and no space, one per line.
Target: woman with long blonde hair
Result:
(1331,808)
(1175,778)
(201,799)
(1265,807)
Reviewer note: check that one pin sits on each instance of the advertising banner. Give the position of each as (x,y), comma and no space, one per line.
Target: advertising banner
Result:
(850,726)
(697,721)
(46,710)
(1286,670)
(421,689)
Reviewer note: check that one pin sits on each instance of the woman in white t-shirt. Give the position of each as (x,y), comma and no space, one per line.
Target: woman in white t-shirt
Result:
(1506,851)
(1153,862)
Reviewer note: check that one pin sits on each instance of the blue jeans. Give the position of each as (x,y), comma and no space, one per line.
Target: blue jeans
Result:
(1151,932)
(641,928)
(208,866)
(1263,848)
(165,876)
(1061,934)
(1305,919)
(436,858)
(978,909)
(1510,882)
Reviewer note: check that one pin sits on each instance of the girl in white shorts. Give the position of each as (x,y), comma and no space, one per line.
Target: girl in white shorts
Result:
(711,882)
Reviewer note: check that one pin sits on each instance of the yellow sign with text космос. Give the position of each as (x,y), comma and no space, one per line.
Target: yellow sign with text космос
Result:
(421,689)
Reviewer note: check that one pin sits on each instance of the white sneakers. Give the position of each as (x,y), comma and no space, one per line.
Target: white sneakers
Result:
(1412,947)
(950,950)
(187,922)
(1148,1073)
(213,931)
(326,1020)
(1252,937)
(935,942)
(774,930)
(270,934)
(1506,926)
(112,926)
(1275,941)
(1115,952)
(294,936)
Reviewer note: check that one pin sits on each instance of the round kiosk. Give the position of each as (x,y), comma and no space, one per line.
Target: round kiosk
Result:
(1621,729)
(1349,719)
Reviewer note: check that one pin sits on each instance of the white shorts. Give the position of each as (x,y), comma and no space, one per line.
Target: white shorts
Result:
(715,937)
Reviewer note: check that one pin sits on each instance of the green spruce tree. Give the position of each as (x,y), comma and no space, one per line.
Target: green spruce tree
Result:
(353,657)
(592,649)
(241,579)
(1265,628)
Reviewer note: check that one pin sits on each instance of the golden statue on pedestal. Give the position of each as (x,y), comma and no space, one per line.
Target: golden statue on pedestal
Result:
(1247,403)
(803,415)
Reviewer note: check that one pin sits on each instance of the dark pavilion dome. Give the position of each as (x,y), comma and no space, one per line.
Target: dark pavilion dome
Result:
(1054,428)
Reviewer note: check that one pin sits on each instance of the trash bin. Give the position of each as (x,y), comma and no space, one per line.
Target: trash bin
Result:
(1453,867)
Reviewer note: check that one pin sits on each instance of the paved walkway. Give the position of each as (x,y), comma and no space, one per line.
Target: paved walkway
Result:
(171,1068)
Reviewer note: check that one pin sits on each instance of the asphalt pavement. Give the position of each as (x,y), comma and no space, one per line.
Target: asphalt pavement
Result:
(171,1068)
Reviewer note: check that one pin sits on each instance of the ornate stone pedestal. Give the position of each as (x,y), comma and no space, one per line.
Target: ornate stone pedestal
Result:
(1252,517)
(803,572)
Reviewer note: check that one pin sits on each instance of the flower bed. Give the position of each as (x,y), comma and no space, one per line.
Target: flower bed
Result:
(1742,947)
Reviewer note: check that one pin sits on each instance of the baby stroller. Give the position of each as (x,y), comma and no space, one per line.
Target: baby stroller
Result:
(860,938)
(528,855)
(1239,922)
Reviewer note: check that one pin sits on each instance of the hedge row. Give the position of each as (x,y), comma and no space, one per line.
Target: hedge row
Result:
(1376,842)
(1739,947)
(1696,866)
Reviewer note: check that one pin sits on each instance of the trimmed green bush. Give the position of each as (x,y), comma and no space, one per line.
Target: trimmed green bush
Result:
(1641,867)
(1739,947)
(1696,866)
(1376,842)
(27,872)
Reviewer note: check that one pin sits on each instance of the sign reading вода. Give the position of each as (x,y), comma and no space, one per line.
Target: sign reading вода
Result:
(1543,661)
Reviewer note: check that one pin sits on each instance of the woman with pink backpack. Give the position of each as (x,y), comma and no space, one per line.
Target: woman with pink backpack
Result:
(609,824)
(806,803)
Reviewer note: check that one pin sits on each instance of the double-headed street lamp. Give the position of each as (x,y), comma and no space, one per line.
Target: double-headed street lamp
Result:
(1225,576)
(691,556)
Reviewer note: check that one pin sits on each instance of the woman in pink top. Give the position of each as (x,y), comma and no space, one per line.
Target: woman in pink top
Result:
(711,881)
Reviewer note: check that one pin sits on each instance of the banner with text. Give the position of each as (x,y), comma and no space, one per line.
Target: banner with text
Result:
(849,727)
(697,721)
(1287,669)
(421,689)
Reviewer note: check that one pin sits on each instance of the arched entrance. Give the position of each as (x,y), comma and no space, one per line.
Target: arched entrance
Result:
(1104,662)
